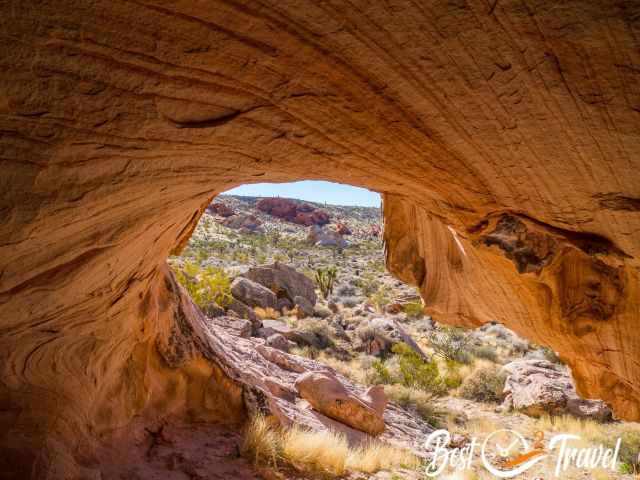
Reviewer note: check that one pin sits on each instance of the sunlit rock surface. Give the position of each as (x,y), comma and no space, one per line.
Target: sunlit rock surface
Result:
(504,137)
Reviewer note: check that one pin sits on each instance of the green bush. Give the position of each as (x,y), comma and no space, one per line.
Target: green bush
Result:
(414,309)
(205,285)
(382,372)
(484,385)
(453,378)
(451,344)
(415,372)
(485,352)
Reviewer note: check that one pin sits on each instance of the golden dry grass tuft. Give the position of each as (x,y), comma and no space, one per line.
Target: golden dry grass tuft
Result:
(266,313)
(326,452)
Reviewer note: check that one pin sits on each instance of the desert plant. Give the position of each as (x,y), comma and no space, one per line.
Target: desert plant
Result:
(414,309)
(417,372)
(484,385)
(381,298)
(382,372)
(205,285)
(419,401)
(325,278)
(485,352)
(450,343)
(350,302)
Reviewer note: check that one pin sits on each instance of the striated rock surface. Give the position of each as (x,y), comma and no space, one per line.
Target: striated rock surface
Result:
(505,138)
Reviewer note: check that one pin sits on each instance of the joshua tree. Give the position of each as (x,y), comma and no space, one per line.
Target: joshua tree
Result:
(325,277)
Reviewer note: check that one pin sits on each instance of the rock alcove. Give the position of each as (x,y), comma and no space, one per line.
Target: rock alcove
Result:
(504,137)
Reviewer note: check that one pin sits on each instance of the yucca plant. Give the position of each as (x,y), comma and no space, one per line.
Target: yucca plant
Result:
(325,278)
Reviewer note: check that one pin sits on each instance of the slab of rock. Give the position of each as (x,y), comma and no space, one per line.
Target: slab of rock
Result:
(235,326)
(252,293)
(326,394)
(536,387)
(284,281)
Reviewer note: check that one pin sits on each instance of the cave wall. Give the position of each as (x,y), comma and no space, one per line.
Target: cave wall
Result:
(503,134)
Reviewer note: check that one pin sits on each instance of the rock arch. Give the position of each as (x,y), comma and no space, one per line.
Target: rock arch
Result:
(503,135)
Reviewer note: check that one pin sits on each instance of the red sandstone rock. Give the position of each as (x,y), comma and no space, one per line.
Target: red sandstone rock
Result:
(220,209)
(293,211)
(343,229)
(121,121)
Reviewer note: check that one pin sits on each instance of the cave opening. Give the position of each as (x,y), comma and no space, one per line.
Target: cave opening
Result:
(299,268)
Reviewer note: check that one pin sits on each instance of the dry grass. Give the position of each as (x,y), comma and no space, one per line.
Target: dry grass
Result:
(326,452)
(266,313)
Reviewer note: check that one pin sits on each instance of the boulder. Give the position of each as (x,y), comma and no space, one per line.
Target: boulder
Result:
(293,211)
(284,281)
(343,229)
(246,223)
(536,387)
(379,335)
(245,312)
(277,340)
(326,394)
(321,311)
(299,337)
(284,304)
(305,308)
(318,236)
(252,293)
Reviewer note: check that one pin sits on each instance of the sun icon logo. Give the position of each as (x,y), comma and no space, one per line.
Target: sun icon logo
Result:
(506,453)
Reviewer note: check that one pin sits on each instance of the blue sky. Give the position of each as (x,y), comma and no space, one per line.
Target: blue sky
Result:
(313,191)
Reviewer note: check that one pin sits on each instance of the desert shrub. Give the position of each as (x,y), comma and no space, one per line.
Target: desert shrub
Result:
(414,309)
(320,331)
(350,302)
(416,372)
(419,401)
(453,377)
(266,313)
(381,298)
(368,284)
(484,385)
(205,285)
(382,372)
(485,352)
(346,290)
(450,343)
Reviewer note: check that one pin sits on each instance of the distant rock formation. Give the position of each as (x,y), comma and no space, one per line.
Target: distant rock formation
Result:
(244,222)
(293,211)
(220,209)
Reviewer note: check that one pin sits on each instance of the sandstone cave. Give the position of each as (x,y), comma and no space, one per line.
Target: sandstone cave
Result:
(503,136)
